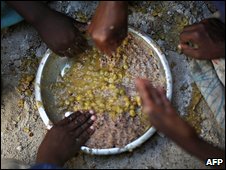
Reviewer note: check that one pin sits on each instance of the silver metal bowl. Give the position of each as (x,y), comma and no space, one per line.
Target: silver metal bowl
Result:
(52,65)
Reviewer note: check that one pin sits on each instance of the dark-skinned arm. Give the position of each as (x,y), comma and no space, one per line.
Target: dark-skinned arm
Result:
(207,38)
(109,25)
(32,11)
(57,30)
(163,117)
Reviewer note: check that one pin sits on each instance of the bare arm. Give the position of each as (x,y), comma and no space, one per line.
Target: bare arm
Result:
(32,11)
(163,116)
(109,25)
(57,30)
(209,38)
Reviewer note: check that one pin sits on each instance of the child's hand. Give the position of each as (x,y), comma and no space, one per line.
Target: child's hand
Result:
(163,117)
(60,34)
(109,25)
(65,138)
(161,113)
(208,36)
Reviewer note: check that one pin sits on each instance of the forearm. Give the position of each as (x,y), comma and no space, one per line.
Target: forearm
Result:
(119,8)
(205,151)
(123,4)
(194,145)
(32,11)
(164,118)
(185,136)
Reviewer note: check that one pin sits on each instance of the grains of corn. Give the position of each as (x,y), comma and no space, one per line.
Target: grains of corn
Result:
(21,103)
(132,113)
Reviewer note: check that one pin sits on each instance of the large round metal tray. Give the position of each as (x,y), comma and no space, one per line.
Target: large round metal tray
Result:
(52,65)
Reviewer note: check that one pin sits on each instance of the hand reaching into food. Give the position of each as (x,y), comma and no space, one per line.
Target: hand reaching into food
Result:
(207,40)
(57,30)
(161,113)
(164,117)
(109,25)
(65,138)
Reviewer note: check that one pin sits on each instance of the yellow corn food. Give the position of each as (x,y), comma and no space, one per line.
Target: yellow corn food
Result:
(92,84)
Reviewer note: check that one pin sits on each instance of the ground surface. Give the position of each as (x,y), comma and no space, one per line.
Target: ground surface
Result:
(22,130)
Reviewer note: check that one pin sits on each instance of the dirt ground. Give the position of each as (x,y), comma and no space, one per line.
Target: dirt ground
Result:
(22,129)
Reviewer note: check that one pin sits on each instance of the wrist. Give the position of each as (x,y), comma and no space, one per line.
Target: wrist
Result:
(123,4)
(33,12)
(39,17)
(45,166)
(204,150)
(48,160)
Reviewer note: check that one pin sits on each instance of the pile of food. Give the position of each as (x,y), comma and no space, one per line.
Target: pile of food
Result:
(106,85)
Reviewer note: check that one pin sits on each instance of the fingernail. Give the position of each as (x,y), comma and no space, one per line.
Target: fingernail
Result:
(179,49)
(91,112)
(67,114)
(93,118)
(92,127)
(179,46)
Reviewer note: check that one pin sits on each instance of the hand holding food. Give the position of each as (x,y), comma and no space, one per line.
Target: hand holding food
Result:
(109,25)
(205,40)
